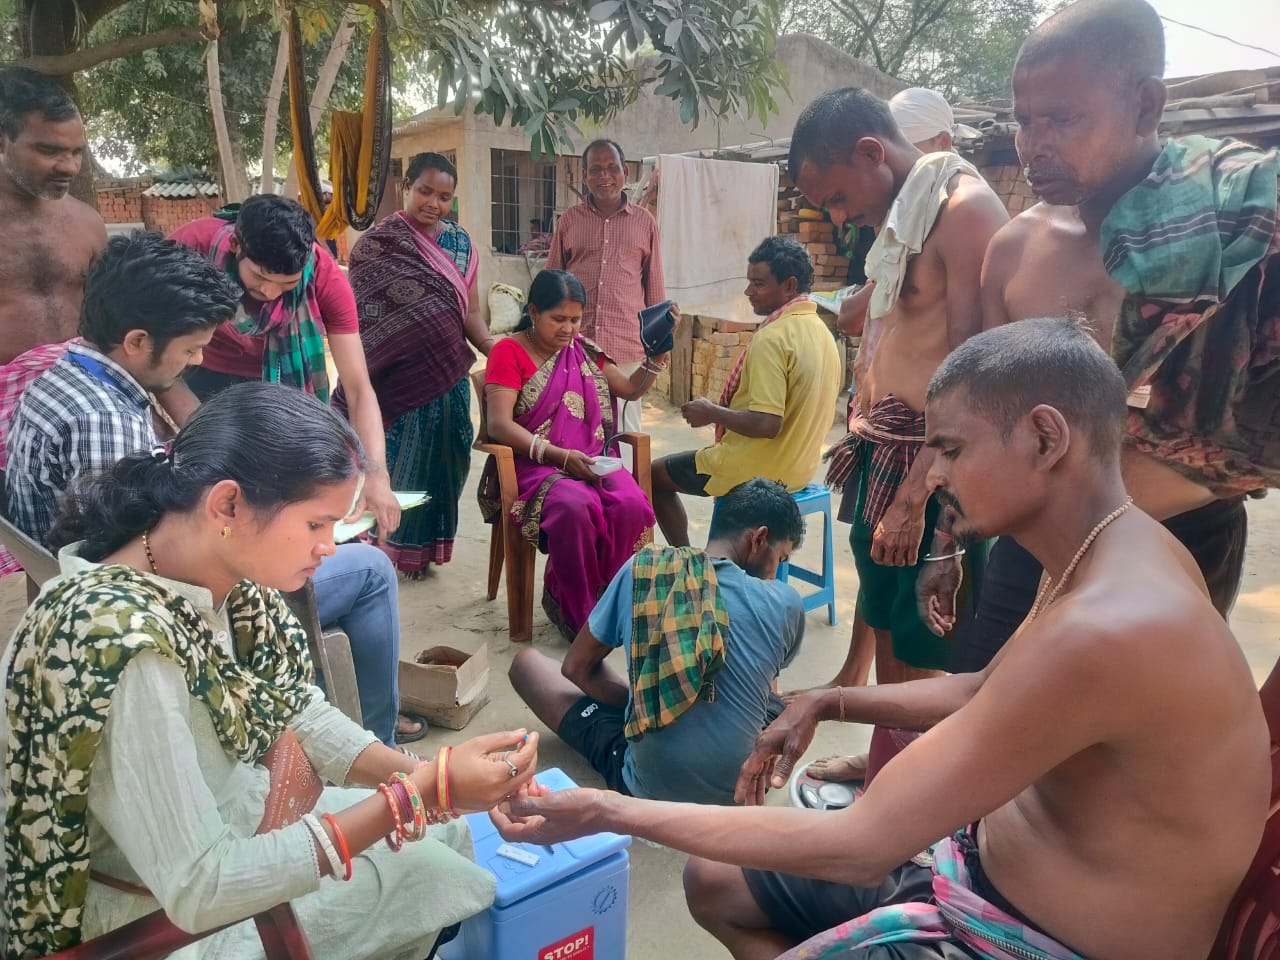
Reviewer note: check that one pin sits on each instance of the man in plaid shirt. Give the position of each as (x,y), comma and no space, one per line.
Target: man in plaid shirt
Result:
(611,245)
(693,744)
(150,307)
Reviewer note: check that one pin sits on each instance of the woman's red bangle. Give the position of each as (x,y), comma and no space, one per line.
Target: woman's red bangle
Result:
(340,842)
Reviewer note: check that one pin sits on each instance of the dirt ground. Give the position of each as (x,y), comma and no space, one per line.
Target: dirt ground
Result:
(450,608)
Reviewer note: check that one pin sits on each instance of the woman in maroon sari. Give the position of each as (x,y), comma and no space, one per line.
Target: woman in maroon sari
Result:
(414,275)
(550,395)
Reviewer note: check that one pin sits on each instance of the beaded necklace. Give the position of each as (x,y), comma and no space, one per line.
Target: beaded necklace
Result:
(1045,596)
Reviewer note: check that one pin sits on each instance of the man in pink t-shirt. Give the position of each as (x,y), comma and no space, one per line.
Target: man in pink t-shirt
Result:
(294,294)
(295,298)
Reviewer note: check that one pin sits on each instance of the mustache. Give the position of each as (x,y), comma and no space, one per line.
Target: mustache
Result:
(1048,171)
(948,499)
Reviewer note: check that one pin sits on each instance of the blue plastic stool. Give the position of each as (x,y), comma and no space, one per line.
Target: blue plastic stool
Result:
(816,498)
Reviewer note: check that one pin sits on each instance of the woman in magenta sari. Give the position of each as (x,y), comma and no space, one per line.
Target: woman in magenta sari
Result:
(550,395)
(413,275)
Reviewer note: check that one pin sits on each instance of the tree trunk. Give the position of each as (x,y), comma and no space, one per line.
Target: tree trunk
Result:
(239,162)
(272,121)
(324,83)
(235,184)
(49,27)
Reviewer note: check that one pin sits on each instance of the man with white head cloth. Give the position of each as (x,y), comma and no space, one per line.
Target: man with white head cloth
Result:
(925,118)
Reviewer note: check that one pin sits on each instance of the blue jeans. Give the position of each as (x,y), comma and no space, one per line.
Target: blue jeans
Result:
(356,591)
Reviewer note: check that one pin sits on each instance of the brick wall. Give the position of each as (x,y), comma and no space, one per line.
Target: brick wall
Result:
(717,345)
(123,202)
(1010,186)
(165,216)
(816,234)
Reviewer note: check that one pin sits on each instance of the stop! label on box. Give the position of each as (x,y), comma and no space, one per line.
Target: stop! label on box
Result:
(576,946)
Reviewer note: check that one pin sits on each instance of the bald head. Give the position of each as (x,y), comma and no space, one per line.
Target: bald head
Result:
(1088,98)
(1109,33)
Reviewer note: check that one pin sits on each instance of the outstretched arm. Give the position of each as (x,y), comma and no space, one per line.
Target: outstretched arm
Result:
(1057,702)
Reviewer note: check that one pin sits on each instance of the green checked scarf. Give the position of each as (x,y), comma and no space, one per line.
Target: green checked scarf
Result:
(71,647)
(294,350)
(1196,245)
(678,630)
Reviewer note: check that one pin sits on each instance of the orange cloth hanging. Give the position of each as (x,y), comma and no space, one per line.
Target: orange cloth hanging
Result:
(360,143)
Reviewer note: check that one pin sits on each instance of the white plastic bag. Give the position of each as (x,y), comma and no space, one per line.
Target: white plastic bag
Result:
(505,306)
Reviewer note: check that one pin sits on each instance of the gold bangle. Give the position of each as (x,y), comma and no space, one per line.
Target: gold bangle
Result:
(840,694)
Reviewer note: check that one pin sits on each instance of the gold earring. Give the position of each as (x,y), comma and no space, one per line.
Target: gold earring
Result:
(226,533)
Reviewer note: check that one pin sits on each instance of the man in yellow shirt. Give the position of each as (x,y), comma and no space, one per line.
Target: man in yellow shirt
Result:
(778,404)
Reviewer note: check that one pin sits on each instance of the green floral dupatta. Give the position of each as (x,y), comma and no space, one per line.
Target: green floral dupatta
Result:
(70,649)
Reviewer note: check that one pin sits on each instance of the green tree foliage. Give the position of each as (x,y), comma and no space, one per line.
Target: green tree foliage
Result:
(962,48)
(540,65)
(151,109)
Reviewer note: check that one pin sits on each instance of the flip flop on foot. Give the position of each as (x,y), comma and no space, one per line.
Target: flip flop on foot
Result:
(839,769)
(410,727)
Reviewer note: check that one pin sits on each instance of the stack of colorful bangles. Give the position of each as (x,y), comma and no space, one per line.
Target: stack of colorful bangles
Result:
(409,814)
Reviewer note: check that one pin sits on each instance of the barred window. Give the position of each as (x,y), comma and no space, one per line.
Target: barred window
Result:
(523,197)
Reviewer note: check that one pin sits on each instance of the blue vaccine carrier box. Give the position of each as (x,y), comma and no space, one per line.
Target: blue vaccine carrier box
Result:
(561,902)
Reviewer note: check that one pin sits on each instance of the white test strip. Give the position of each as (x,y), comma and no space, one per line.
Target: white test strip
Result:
(518,855)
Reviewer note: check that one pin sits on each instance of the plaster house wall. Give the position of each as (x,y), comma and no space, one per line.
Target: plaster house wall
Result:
(646,128)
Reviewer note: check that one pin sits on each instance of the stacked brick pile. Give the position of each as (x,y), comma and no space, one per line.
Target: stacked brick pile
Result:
(166,215)
(830,268)
(717,345)
(1010,186)
(121,201)
(122,204)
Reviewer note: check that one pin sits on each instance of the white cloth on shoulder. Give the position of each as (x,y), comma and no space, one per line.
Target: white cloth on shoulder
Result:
(906,227)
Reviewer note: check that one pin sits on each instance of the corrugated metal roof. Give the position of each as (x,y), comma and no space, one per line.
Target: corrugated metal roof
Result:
(182,189)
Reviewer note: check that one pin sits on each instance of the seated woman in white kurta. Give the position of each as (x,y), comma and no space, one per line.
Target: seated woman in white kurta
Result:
(144,687)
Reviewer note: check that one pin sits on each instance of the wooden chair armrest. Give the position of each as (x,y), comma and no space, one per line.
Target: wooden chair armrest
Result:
(505,457)
(641,463)
(499,450)
(155,936)
(147,938)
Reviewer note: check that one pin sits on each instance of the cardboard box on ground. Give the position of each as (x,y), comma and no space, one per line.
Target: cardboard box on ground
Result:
(446,685)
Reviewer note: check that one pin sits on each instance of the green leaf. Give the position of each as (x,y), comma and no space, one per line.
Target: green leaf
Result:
(669,87)
(534,124)
(673,32)
(605,10)
(688,110)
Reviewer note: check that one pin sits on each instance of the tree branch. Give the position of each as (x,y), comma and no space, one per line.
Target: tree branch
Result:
(61,65)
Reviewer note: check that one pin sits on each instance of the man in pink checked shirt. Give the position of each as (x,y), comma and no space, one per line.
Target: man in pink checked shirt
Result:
(612,246)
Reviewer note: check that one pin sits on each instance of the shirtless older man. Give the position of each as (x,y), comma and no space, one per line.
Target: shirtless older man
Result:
(54,236)
(1112,835)
(934,215)
(1088,99)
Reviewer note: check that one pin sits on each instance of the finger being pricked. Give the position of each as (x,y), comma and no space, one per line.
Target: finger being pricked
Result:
(551,818)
